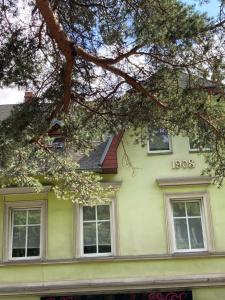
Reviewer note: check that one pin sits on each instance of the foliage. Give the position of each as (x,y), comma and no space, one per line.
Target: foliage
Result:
(103,66)
(27,164)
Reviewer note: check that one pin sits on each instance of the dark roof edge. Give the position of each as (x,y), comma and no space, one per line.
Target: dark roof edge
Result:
(106,150)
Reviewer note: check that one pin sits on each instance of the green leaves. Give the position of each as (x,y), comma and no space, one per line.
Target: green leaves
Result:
(32,166)
(174,80)
(26,161)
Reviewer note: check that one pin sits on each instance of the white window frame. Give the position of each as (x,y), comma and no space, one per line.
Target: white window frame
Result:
(197,149)
(203,198)
(8,228)
(161,151)
(79,233)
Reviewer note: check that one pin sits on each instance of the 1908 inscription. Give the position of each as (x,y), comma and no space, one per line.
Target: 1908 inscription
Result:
(183,164)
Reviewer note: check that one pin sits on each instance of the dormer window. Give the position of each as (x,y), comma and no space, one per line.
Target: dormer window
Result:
(194,148)
(58,143)
(160,142)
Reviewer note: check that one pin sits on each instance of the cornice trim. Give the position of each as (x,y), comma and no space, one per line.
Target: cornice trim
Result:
(184,181)
(110,285)
(47,188)
(113,184)
(108,259)
(23,190)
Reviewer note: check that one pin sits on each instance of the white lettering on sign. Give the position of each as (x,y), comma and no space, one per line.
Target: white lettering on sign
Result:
(183,164)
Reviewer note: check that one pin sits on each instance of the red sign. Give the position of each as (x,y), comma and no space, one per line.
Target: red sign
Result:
(170,296)
(176,295)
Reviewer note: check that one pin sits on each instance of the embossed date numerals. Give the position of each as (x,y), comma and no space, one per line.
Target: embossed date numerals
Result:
(184,164)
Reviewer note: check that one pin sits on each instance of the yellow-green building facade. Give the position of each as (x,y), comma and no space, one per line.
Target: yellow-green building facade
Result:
(161,238)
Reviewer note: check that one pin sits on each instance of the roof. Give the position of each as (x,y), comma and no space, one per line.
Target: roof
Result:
(204,83)
(93,160)
(5,111)
(103,159)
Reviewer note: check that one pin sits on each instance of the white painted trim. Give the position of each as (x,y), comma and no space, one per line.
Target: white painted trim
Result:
(46,189)
(113,184)
(182,181)
(107,259)
(169,151)
(79,233)
(114,228)
(206,220)
(8,208)
(94,286)
(23,190)
(197,150)
(208,223)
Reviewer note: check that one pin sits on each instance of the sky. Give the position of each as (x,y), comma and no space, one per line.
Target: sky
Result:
(12,95)
(212,7)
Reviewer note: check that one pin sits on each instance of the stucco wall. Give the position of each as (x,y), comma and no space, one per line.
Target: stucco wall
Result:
(141,227)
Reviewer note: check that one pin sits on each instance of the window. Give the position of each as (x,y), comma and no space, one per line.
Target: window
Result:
(189,222)
(24,230)
(58,143)
(96,230)
(194,148)
(160,142)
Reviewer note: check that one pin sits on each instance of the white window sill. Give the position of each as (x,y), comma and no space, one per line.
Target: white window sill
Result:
(96,255)
(24,258)
(161,152)
(189,252)
(23,261)
(199,150)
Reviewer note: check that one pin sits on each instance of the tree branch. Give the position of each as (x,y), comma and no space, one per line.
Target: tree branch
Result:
(67,48)
(130,80)
(111,61)
(64,45)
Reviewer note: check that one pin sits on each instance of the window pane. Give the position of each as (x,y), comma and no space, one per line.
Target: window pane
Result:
(104,248)
(19,241)
(181,234)
(193,209)
(33,241)
(89,213)
(195,145)
(33,252)
(196,235)
(18,253)
(178,209)
(89,232)
(19,217)
(160,141)
(103,212)
(192,144)
(34,216)
(104,236)
(58,143)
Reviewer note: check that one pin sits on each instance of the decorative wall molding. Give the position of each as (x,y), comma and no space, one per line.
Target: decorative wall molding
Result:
(113,285)
(23,190)
(82,260)
(183,181)
(113,184)
(47,188)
